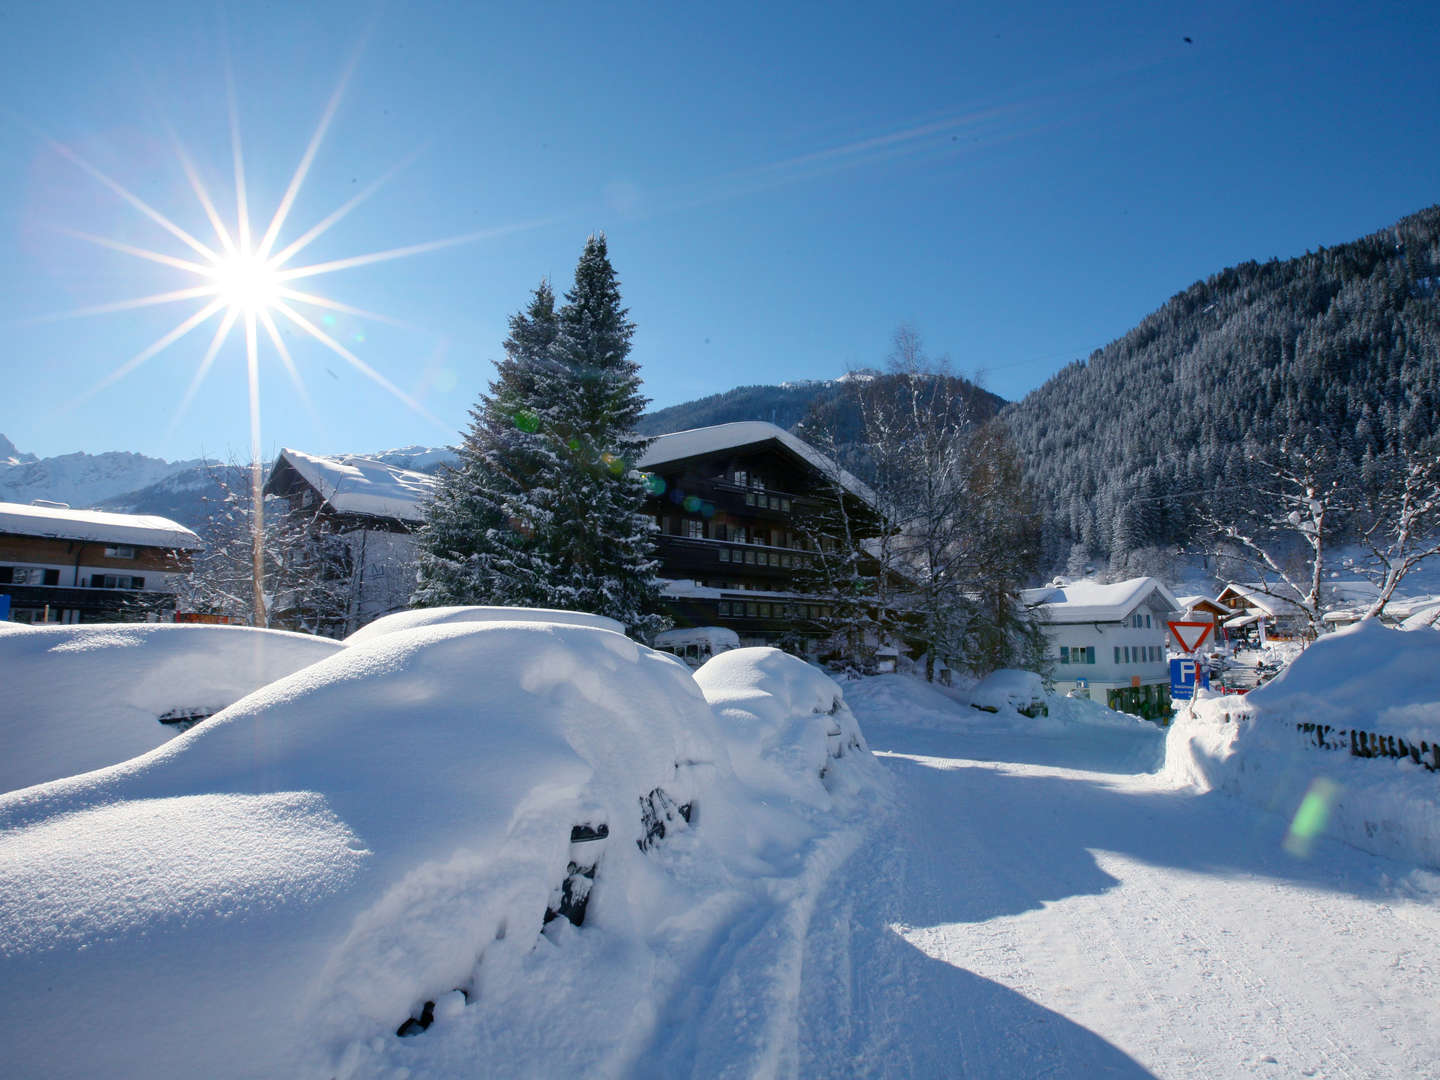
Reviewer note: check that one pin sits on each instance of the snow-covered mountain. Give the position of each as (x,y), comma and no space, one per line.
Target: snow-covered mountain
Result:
(79,479)
(188,496)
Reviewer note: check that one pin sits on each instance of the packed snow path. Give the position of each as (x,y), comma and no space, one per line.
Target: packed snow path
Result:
(1043,908)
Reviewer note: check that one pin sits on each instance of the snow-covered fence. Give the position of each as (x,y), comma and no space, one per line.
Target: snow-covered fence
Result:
(1369,744)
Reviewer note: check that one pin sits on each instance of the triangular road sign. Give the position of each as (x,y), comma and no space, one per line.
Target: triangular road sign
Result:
(1190,635)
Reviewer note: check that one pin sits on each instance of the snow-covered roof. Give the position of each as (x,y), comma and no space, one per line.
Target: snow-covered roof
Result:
(97,526)
(1270,606)
(708,440)
(1090,601)
(1190,603)
(361,485)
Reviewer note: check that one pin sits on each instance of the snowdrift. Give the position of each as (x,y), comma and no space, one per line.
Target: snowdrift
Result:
(369,849)
(82,697)
(1287,745)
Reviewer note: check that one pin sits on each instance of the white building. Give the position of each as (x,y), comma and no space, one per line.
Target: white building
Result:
(1108,641)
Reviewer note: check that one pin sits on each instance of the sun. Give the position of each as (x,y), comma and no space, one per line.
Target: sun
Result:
(244,276)
(247,283)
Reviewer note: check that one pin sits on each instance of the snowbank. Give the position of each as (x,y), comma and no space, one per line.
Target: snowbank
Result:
(82,697)
(410,620)
(1367,678)
(377,839)
(909,701)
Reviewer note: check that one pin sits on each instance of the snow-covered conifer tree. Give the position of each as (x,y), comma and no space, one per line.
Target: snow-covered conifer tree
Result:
(545,508)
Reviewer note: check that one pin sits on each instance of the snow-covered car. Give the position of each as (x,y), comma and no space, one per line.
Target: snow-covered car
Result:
(82,697)
(783,720)
(1010,688)
(436,616)
(697,644)
(329,860)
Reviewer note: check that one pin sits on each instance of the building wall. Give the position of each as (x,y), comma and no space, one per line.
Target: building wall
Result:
(728,521)
(60,580)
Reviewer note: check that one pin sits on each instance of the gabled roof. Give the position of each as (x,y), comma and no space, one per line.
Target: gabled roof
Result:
(361,485)
(679,445)
(1270,606)
(97,526)
(1090,601)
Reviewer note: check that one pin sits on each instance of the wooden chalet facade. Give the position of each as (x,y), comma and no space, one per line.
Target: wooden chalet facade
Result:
(728,501)
(361,513)
(59,565)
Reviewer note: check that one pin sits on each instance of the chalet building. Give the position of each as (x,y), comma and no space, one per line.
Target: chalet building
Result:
(726,501)
(59,565)
(1251,613)
(1108,642)
(367,511)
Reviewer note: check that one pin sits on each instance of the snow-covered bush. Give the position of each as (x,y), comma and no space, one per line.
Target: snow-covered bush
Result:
(377,840)
(78,698)
(1367,678)
(410,620)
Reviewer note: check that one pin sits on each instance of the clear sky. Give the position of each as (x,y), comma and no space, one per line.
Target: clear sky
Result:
(782,185)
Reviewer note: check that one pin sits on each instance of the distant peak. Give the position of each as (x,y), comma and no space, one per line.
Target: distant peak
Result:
(11,456)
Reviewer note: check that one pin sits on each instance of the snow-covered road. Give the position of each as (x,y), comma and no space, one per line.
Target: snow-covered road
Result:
(1044,908)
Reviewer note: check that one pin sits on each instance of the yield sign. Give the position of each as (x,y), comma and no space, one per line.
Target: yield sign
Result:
(1190,634)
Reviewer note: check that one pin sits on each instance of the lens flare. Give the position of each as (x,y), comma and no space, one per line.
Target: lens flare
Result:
(1311,817)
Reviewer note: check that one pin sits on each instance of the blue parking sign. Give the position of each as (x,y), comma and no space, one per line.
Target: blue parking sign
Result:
(1184,675)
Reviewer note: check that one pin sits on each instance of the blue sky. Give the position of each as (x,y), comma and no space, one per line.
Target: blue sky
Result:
(780,188)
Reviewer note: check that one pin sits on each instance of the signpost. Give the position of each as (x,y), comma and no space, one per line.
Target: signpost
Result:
(1188,673)
(1190,635)
(1185,676)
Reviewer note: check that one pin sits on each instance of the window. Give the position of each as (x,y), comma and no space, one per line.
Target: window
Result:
(1147,622)
(750,558)
(765,611)
(740,477)
(752,610)
(749,498)
(114,581)
(1064,654)
(724,554)
(724,607)
(120,551)
(52,577)
(1117,654)
(695,529)
(785,505)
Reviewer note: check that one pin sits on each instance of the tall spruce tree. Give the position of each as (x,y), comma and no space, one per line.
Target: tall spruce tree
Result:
(545,508)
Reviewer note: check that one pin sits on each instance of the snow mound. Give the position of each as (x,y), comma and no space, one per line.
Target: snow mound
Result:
(783,720)
(1366,675)
(82,697)
(369,848)
(410,620)
(1367,678)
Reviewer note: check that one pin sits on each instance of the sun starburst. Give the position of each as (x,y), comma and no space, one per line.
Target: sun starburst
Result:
(243,279)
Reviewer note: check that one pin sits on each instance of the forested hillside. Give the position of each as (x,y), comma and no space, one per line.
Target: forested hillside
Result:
(785,406)
(1337,347)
